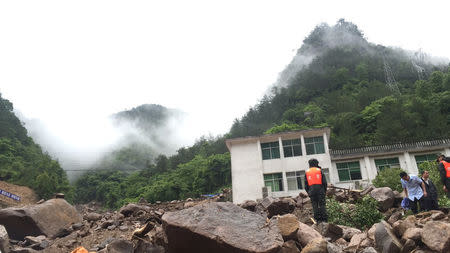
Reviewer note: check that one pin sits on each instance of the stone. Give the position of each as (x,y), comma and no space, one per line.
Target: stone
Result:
(120,246)
(107,223)
(34,239)
(318,245)
(438,215)
(356,241)
(123,228)
(77,226)
(341,241)
(333,248)
(249,205)
(385,239)
(146,247)
(409,222)
(436,235)
(306,234)
(369,250)
(371,232)
(408,246)
(329,230)
(189,204)
(395,217)
(131,208)
(93,217)
(278,206)
(385,197)
(288,225)
(220,227)
(23,250)
(349,232)
(412,234)
(43,219)
(4,239)
(289,247)
(367,190)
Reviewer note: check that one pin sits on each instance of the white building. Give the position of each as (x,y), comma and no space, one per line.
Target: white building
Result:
(277,162)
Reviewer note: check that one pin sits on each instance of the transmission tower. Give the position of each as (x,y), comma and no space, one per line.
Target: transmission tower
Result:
(390,80)
(417,60)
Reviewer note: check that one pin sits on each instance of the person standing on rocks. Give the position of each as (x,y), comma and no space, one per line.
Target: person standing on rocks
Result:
(316,187)
(414,189)
(431,201)
(444,171)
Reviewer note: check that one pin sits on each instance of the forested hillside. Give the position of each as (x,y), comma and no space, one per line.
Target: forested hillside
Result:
(22,161)
(368,94)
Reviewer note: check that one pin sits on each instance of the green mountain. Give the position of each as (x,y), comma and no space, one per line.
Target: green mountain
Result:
(368,94)
(22,161)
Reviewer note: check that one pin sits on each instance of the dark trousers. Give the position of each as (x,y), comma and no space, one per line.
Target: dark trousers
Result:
(317,196)
(413,204)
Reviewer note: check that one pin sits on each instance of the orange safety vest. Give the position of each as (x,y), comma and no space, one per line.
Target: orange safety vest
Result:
(314,176)
(447,168)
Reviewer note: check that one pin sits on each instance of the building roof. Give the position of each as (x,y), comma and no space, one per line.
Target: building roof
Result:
(337,154)
(284,135)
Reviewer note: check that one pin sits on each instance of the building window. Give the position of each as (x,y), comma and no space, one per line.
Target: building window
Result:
(348,171)
(314,145)
(295,180)
(270,150)
(292,148)
(274,181)
(387,163)
(425,158)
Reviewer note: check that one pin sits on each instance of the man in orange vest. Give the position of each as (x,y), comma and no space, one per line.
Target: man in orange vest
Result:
(316,187)
(444,170)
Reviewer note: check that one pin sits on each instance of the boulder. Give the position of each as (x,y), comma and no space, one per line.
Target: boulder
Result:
(306,234)
(371,232)
(131,208)
(436,235)
(93,217)
(120,246)
(289,247)
(385,240)
(408,246)
(412,234)
(220,227)
(385,197)
(369,250)
(146,247)
(333,248)
(409,222)
(349,232)
(356,241)
(395,217)
(288,225)
(249,205)
(438,215)
(318,245)
(4,239)
(43,219)
(329,230)
(278,206)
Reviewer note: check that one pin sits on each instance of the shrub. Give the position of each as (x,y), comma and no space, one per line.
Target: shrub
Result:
(389,177)
(362,215)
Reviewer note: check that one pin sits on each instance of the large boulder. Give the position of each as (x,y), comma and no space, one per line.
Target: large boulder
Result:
(46,219)
(385,239)
(306,234)
(288,225)
(349,232)
(275,206)
(220,227)
(4,240)
(436,235)
(329,230)
(318,245)
(385,197)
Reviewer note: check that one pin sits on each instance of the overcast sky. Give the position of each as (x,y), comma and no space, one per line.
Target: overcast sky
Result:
(70,64)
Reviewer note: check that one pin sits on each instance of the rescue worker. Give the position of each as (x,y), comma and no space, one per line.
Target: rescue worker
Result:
(316,187)
(444,171)
(430,202)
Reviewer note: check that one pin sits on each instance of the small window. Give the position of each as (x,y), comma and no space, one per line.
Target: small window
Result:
(292,148)
(314,145)
(274,181)
(387,163)
(425,158)
(270,150)
(348,171)
(295,180)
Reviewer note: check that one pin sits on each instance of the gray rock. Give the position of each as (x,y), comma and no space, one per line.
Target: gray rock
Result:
(220,227)
(385,197)
(369,250)
(329,230)
(306,234)
(289,247)
(43,219)
(408,246)
(385,240)
(436,235)
(93,217)
(146,247)
(249,205)
(333,248)
(120,246)
(349,232)
(4,239)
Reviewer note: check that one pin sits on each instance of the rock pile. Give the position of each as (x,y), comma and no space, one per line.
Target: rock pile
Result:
(275,225)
